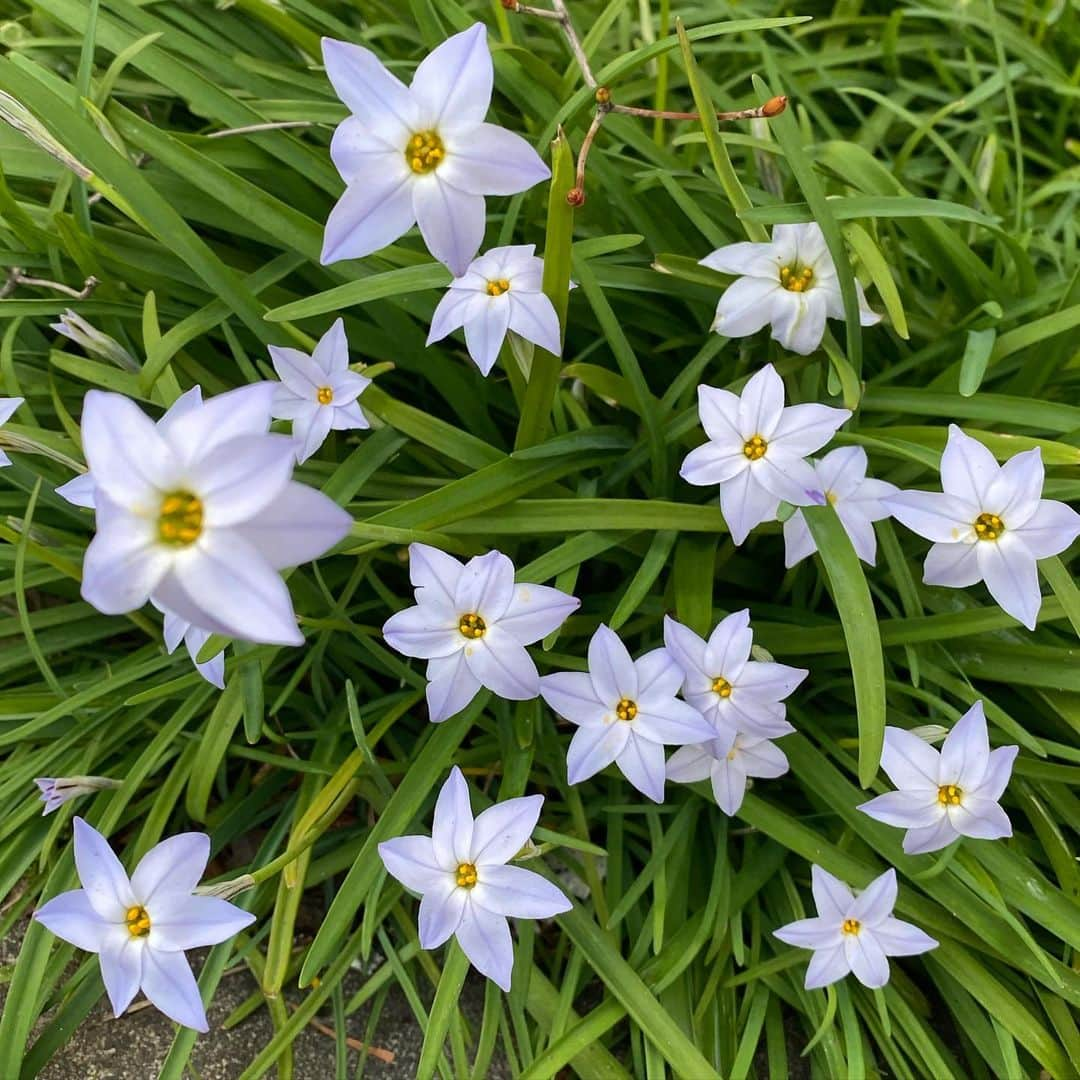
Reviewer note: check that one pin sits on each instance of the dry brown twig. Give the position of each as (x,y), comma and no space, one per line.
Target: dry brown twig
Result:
(16,277)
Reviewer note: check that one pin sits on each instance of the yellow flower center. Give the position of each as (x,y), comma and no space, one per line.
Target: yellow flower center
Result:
(795,279)
(180,519)
(325,395)
(721,686)
(755,448)
(949,795)
(626,709)
(497,286)
(137,921)
(466,875)
(732,754)
(472,626)
(425,152)
(851,926)
(989,526)
(830,497)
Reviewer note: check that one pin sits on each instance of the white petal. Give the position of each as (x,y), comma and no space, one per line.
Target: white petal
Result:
(417,631)
(369,90)
(786,477)
(746,306)
(297,371)
(515,891)
(572,695)
(372,213)
(762,758)
(610,667)
(189,922)
(411,859)
(309,432)
(1012,576)
(905,809)
(1015,491)
(728,647)
(842,470)
(452,84)
(942,518)
(435,575)
(350,416)
(932,838)
(486,586)
(745,504)
(831,895)
(967,467)
(441,911)
(241,477)
(689,764)
(713,463)
(503,665)
(1051,529)
(170,595)
(900,938)
(169,985)
(685,646)
(212,670)
(754,260)
(753,715)
(8,405)
(798,320)
(366,146)
(188,401)
(594,748)
(451,686)
(489,160)
(965,753)
(826,967)
(798,543)
(911,763)
(301,524)
(452,824)
(79,491)
(659,678)
(955,565)
(761,403)
(123,565)
(451,221)
(177,864)
(103,878)
(718,411)
(642,763)
(728,785)
(769,680)
(982,819)
(802,429)
(860,530)
(535,611)
(867,959)
(121,959)
(72,917)
(673,723)
(533,316)
(998,772)
(202,427)
(819,933)
(485,332)
(290,406)
(451,312)
(502,830)
(876,901)
(484,937)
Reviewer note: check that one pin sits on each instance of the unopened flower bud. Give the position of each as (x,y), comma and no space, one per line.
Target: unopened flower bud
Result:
(575,196)
(931,733)
(55,791)
(226,890)
(73,326)
(603,95)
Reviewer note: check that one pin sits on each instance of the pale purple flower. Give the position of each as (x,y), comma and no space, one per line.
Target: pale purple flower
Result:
(626,711)
(57,790)
(756,449)
(7,406)
(789,283)
(471,623)
(466,887)
(727,761)
(318,392)
(989,523)
(732,692)
(500,291)
(420,153)
(853,933)
(141,926)
(857,499)
(944,795)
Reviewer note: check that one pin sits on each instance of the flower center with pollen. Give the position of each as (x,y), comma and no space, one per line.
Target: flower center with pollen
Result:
(795,279)
(472,626)
(949,795)
(137,921)
(466,875)
(626,709)
(425,152)
(721,686)
(754,448)
(851,926)
(325,395)
(497,286)
(180,518)
(988,526)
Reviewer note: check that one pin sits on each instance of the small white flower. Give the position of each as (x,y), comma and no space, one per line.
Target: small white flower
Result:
(626,712)
(989,523)
(853,933)
(57,790)
(756,449)
(318,392)
(789,283)
(141,926)
(472,623)
(727,761)
(420,153)
(200,511)
(843,483)
(461,874)
(944,795)
(501,290)
(732,692)
(7,406)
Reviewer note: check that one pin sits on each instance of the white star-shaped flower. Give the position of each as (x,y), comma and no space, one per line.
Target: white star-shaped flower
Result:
(727,761)
(626,712)
(420,153)
(853,933)
(732,692)
(141,926)
(944,795)
(856,498)
(989,523)
(318,392)
(461,873)
(789,283)
(501,290)
(472,623)
(200,511)
(756,449)
(7,406)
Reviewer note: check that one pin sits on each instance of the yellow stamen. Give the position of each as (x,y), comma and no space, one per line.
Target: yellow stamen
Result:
(830,497)
(949,795)
(626,709)
(472,626)
(180,519)
(795,279)
(498,286)
(466,875)
(988,526)
(425,152)
(137,921)
(755,448)
(851,926)
(325,395)
(721,686)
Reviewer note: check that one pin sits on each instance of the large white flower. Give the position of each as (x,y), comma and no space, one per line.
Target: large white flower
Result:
(318,392)
(789,283)
(727,761)
(626,712)
(7,406)
(200,511)
(420,153)
(853,933)
(472,623)
(856,498)
(946,795)
(732,692)
(141,926)
(501,290)
(462,875)
(989,523)
(756,449)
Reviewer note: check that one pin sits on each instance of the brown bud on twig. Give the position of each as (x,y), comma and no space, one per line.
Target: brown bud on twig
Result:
(575,196)
(774,106)
(603,95)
